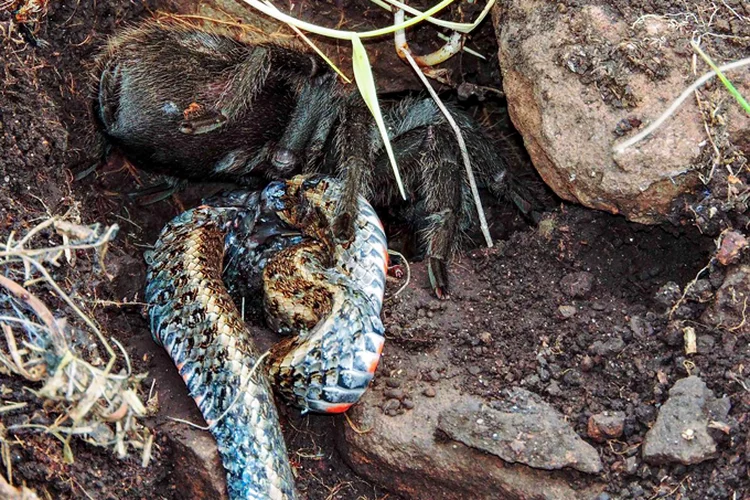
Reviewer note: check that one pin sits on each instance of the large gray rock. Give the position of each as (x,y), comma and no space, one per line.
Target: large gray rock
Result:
(523,429)
(198,472)
(578,77)
(680,433)
(410,454)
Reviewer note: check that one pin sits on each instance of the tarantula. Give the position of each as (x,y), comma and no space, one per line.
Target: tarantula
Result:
(197,105)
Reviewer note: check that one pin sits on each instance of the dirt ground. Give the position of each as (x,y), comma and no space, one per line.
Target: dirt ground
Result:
(503,324)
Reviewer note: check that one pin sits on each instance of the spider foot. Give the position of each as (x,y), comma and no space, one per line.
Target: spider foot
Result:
(438,273)
(343,227)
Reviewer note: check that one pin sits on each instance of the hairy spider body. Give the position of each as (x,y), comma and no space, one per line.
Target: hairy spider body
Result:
(199,106)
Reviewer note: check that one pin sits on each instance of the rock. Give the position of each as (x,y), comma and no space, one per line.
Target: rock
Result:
(645,414)
(392,382)
(197,465)
(577,284)
(636,490)
(680,433)
(573,378)
(729,309)
(412,457)
(587,363)
(700,291)
(706,344)
(566,312)
(669,293)
(583,94)
(429,392)
(603,426)
(607,348)
(732,243)
(631,465)
(525,429)
(553,389)
(394,394)
(391,405)
(640,327)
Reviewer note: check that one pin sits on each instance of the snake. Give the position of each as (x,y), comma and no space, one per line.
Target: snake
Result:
(325,295)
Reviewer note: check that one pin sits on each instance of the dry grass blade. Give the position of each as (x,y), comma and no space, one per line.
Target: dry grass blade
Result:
(622,146)
(403,49)
(84,395)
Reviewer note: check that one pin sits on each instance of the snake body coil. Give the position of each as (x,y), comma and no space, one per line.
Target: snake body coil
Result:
(329,293)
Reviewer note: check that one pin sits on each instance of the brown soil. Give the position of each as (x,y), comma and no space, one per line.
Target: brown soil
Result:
(502,324)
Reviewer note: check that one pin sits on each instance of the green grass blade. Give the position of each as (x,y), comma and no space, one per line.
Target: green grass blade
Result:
(270,10)
(731,88)
(460,27)
(366,85)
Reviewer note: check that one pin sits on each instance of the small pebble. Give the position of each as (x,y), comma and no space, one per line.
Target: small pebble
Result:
(607,348)
(607,425)
(433,376)
(474,370)
(553,389)
(573,378)
(532,380)
(587,363)
(631,465)
(392,382)
(566,312)
(408,404)
(391,405)
(637,326)
(636,490)
(394,394)
(429,392)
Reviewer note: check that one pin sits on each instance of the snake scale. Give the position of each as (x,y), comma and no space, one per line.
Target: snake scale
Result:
(326,292)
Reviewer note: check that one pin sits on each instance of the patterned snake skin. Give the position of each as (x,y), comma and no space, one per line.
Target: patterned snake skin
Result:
(329,293)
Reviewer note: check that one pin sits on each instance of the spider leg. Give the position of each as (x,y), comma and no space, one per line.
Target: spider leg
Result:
(442,189)
(309,127)
(354,163)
